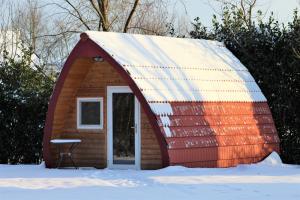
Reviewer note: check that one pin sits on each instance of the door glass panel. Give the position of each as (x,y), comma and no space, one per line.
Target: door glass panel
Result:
(123,128)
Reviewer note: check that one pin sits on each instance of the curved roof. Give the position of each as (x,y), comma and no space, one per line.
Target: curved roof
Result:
(180,69)
(207,105)
(202,103)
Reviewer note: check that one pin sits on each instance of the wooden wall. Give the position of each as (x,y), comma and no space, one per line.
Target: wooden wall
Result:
(90,79)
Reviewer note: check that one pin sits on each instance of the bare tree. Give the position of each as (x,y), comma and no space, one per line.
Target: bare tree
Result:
(67,18)
(51,27)
(28,21)
(113,15)
(9,38)
(20,24)
(130,16)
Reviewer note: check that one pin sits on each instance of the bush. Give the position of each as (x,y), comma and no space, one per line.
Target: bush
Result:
(24,92)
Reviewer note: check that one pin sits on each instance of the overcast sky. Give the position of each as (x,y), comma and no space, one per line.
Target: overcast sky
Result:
(283,9)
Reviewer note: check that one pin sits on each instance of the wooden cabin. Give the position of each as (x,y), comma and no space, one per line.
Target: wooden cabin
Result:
(147,102)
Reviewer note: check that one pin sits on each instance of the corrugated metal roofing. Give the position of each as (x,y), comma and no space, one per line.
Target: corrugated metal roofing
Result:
(180,69)
(214,134)
(207,105)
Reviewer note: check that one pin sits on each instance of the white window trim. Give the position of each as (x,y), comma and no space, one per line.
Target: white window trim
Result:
(89,99)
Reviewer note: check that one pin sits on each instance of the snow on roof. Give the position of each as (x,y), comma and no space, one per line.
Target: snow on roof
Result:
(180,69)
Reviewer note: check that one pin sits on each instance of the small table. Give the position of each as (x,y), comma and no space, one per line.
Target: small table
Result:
(68,153)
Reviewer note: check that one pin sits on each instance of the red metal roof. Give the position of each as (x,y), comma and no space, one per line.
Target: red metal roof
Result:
(218,134)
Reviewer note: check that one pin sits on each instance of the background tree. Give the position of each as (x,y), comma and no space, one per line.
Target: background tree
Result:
(111,15)
(68,18)
(24,95)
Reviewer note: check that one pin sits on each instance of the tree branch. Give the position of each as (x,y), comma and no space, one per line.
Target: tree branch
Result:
(79,15)
(57,34)
(144,29)
(101,18)
(130,15)
(103,6)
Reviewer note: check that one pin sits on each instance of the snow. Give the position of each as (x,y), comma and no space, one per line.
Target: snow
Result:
(180,69)
(161,108)
(168,132)
(272,160)
(269,179)
(165,120)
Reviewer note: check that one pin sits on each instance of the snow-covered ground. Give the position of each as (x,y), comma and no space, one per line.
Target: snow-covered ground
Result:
(267,180)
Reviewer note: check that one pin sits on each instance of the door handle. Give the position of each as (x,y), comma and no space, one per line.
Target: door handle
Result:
(134,127)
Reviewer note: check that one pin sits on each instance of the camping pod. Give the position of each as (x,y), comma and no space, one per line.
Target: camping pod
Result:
(147,102)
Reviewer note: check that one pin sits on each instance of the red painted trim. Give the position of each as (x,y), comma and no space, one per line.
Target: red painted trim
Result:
(86,47)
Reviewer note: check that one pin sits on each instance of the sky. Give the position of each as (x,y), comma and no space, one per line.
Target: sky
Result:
(283,9)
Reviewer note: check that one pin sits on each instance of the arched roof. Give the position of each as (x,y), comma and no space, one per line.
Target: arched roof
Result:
(199,98)
(205,100)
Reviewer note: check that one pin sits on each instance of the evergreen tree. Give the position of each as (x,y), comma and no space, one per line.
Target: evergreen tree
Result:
(25,89)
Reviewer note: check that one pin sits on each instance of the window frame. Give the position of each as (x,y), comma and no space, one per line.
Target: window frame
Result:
(89,99)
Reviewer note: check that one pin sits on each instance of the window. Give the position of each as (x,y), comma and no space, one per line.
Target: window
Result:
(90,113)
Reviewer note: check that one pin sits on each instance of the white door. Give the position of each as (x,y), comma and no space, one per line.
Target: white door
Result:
(123,128)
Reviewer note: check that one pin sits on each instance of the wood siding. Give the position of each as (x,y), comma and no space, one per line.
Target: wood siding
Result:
(90,79)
